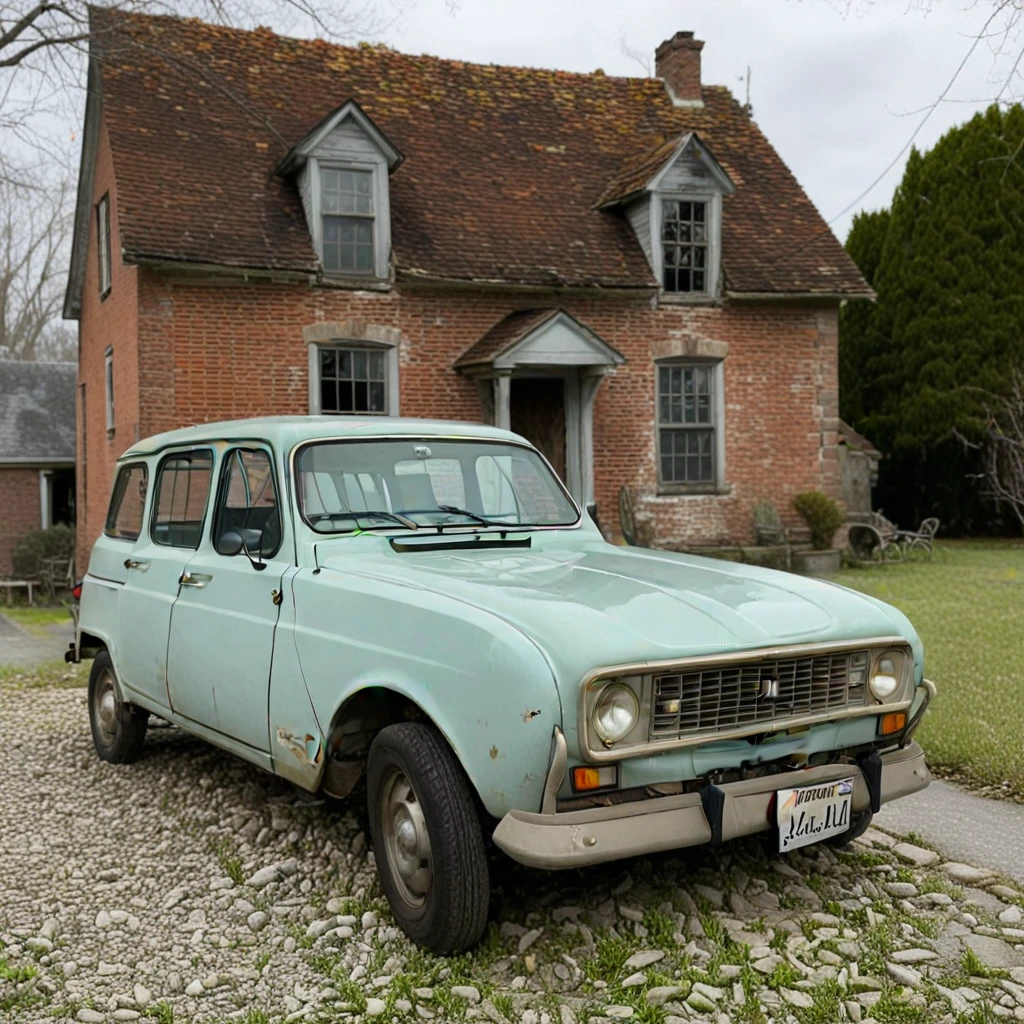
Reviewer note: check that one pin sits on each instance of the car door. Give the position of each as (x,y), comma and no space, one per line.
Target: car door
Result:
(154,566)
(223,623)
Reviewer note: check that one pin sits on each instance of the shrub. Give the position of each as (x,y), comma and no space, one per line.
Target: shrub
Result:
(822,515)
(55,542)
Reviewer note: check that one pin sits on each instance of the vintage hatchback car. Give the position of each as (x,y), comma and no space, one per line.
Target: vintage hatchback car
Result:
(424,605)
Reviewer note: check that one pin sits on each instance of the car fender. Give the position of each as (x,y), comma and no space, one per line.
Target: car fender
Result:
(481,681)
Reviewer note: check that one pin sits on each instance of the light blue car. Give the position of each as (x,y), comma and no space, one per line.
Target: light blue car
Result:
(423,605)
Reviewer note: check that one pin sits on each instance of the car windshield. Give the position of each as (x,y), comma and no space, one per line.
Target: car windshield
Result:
(347,486)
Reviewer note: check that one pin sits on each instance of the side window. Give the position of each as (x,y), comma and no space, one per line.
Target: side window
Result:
(182,489)
(124,518)
(248,499)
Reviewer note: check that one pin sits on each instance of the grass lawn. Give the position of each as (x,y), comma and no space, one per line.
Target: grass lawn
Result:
(968,606)
(36,619)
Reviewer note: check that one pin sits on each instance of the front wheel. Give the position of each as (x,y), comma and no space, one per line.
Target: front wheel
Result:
(427,839)
(118,729)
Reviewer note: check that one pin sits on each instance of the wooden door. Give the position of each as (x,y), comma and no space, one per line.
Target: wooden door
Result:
(537,411)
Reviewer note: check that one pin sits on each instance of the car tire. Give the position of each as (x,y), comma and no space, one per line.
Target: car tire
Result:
(427,839)
(858,826)
(118,729)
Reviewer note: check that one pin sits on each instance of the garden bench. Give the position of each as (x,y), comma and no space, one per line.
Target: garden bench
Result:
(28,585)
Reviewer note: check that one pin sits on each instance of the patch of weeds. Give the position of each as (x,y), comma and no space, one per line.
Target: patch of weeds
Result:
(163,1012)
(866,858)
(661,929)
(974,968)
(714,930)
(262,960)
(760,926)
(932,883)
(783,976)
(827,997)
(923,925)
(904,874)
(980,1013)
(646,1013)
(256,1017)
(451,1007)
(778,941)
(504,1005)
(231,865)
(609,955)
(350,992)
(890,1010)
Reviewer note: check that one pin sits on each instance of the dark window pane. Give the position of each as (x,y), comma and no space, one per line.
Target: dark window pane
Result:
(685,210)
(328,396)
(331,230)
(670,255)
(670,279)
(359,364)
(698,212)
(328,362)
(376,397)
(705,469)
(345,397)
(698,281)
(364,258)
(361,402)
(377,366)
(684,232)
(698,256)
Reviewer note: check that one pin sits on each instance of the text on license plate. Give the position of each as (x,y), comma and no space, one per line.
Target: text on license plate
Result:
(808,814)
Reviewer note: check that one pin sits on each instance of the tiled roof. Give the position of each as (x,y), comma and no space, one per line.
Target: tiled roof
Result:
(503,165)
(638,170)
(503,335)
(37,412)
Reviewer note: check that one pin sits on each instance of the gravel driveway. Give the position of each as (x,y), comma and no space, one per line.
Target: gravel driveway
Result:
(192,887)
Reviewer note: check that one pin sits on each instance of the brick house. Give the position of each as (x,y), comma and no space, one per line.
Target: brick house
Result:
(623,270)
(37,450)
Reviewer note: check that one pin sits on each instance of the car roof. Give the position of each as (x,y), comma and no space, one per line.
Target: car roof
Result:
(284,432)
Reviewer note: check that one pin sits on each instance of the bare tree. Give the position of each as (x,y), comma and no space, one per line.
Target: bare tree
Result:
(35,225)
(1002,446)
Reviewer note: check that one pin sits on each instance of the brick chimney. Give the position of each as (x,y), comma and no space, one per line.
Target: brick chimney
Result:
(677,61)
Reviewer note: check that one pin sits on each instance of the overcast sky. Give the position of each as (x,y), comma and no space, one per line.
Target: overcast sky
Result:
(838,94)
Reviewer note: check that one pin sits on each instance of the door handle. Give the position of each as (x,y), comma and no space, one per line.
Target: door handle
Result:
(194,579)
(130,563)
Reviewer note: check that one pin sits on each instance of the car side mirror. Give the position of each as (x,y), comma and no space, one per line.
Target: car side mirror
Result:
(230,543)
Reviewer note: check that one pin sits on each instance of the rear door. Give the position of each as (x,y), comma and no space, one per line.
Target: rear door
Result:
(223,623)
(181,492)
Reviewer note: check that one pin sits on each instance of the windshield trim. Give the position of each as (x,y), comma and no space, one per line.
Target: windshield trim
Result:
(299,448)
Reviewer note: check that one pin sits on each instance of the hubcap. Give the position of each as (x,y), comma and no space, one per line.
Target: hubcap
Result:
(406,840)
(105,703)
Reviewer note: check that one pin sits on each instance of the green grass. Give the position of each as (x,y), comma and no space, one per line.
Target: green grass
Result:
(36,619)
(52,673)
(968,606)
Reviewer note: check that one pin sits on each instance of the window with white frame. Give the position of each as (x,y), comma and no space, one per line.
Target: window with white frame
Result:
(347,220)
(103,243)
(688,411)
(108,374)
(684,244)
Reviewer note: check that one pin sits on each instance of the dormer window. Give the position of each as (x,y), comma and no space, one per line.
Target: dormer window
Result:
(342,170)
(684,244)
(672,196)
(346,199)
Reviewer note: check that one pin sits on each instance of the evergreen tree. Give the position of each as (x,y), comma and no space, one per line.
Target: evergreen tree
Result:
(947,263)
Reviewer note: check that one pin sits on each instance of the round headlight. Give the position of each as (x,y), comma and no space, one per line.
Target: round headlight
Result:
(885,676)
(615,713)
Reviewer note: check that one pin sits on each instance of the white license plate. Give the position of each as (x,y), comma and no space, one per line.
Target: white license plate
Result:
(808,814)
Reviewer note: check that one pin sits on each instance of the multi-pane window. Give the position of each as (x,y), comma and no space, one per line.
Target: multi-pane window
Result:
(353,380)
(686,424)
(684,243)
(346,205)
(103,242)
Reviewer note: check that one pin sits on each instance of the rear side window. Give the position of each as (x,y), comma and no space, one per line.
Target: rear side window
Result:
(124,518)
(248,499)
(179,507)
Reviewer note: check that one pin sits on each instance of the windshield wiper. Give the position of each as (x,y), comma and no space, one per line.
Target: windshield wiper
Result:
(394,517)
(476,517)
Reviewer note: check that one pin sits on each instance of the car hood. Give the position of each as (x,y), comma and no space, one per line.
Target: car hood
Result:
(593,604)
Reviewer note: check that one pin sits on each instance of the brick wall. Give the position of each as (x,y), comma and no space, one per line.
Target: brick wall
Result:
(19,510)
(212,350)
(110,321)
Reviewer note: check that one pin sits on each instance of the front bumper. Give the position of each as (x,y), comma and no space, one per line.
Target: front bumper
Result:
(578,838)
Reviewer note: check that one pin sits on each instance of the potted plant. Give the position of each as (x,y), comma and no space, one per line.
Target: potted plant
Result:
(823,517)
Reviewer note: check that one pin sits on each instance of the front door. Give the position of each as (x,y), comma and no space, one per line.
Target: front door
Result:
(223,623)
(537,411)
(153,566)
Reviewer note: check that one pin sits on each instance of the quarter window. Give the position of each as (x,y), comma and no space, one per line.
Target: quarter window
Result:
(249,499)
(353,380)
(182,489)
(346,204)
(124,518)
(686,424)
(684,243)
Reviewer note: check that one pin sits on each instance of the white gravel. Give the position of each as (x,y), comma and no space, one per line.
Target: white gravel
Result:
(192,887)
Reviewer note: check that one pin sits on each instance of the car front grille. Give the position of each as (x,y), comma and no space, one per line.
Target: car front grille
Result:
(726,697)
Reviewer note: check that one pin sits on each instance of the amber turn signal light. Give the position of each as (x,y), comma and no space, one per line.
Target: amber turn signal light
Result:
(894,722)
(584,779)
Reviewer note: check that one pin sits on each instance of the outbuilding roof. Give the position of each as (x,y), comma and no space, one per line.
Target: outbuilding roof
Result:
(504,166)
(37,413)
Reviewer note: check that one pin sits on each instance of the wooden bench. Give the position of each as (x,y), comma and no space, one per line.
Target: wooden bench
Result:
(28,585)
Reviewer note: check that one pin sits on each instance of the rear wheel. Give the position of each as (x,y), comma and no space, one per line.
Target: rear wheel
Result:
(118,729)
(427,839)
